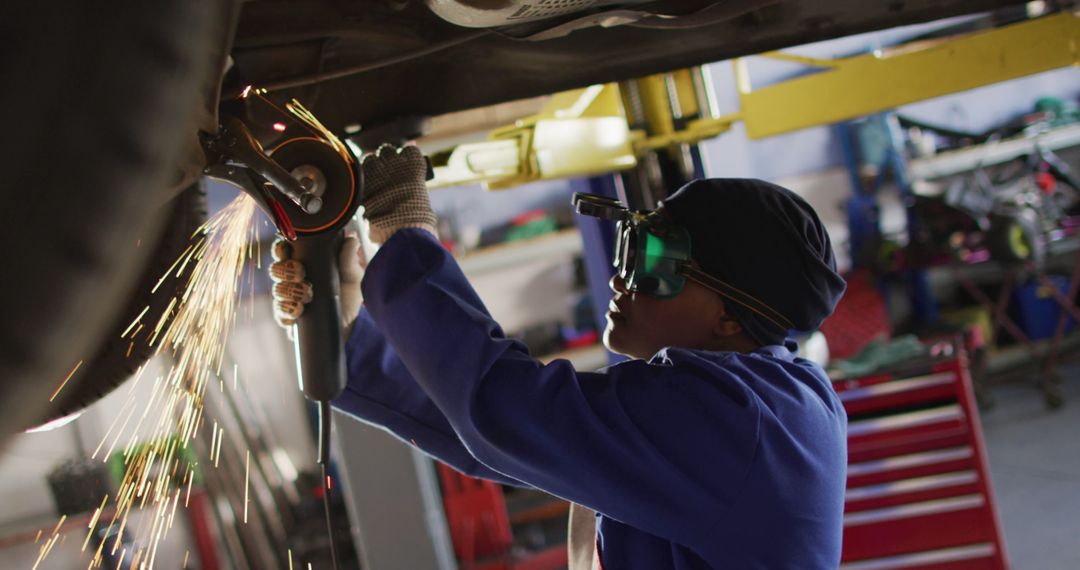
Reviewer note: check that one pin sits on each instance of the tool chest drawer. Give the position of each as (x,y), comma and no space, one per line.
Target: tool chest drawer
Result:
(884,392)
(918,491)
(916,527)
(905,433)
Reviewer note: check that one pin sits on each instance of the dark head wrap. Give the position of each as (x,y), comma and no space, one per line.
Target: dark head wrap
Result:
(764,240)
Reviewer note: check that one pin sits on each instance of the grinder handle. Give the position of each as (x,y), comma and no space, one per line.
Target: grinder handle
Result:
(319,336)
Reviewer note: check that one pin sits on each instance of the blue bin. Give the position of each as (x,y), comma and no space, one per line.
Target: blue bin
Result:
(1035,309)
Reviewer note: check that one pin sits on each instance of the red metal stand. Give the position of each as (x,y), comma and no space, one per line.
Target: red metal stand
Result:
(480,527)
(918,493)
(1050,379)
(198,516)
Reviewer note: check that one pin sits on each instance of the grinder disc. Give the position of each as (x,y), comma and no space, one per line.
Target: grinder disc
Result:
(330,176)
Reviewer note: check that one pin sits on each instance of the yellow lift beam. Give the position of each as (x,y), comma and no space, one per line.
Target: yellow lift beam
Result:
(578,133)
(605,128)
(861,85)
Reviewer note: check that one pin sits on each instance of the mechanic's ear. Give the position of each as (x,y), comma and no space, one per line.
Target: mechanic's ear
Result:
(726,324)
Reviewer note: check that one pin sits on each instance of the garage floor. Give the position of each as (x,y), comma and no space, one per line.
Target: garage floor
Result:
(1035,465)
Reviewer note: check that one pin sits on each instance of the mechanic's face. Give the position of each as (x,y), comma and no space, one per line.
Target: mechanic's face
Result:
(639,325)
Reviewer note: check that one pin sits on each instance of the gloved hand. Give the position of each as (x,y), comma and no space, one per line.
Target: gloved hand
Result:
(395,195)
(291,292)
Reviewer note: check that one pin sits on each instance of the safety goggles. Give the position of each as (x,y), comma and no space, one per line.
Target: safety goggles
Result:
(650,252)
(652,255)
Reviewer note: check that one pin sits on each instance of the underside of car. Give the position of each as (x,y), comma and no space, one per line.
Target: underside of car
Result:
(410,59)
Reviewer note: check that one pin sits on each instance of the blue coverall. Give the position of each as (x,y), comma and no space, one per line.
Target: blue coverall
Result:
(692,460)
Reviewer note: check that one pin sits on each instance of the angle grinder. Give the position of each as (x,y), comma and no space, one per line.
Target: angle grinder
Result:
(310,188)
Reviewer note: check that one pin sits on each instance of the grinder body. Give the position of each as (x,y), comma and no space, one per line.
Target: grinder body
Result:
(320,346)
(336,180)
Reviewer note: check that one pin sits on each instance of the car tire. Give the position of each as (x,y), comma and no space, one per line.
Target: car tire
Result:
(99,99)
(123,351)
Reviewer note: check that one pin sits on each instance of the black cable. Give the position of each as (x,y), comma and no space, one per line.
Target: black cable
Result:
(302,80)
(324,461)
(906,121)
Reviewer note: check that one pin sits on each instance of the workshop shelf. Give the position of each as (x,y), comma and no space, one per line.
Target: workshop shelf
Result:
(967,159)
(564,243)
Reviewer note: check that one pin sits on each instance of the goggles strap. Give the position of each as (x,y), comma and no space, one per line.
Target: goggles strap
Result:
(737,295)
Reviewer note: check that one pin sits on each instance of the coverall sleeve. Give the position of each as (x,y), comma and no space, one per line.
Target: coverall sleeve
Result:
(650,445)
(380,391)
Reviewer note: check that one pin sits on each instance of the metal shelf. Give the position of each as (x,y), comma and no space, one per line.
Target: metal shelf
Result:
(507,255)
(1010,358)
(963,160)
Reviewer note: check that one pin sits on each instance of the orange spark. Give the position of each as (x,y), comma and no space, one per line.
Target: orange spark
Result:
(247,483)
(64,383)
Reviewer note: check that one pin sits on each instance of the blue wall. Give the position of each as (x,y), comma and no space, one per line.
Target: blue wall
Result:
(473,206)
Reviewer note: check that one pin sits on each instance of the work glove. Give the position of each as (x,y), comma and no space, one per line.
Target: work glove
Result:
(394,194)
(291,291)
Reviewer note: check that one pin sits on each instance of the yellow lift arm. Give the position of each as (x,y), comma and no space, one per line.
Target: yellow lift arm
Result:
(605,128)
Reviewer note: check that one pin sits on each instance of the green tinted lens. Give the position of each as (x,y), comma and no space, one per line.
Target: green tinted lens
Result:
(655,252)
(648,257)
(663,250)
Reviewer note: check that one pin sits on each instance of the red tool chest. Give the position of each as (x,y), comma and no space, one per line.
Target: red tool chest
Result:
(918,491)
